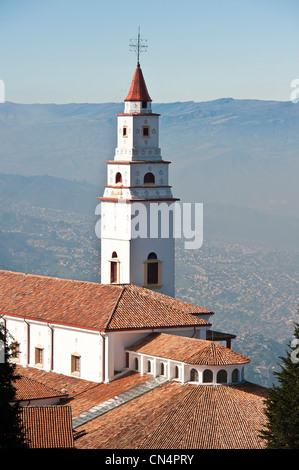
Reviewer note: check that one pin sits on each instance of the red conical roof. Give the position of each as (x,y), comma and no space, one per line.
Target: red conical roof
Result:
(138,90)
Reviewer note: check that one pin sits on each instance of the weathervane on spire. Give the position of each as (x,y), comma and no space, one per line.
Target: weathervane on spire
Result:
(138,45)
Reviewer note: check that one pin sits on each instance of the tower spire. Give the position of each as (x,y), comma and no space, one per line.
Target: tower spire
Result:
(138,45)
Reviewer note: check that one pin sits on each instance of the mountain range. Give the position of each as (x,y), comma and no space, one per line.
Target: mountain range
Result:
(235,152)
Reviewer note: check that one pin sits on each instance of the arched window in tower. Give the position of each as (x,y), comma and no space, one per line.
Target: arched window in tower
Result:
(152,272)
(207,376)
(194,376)
(114,268)
(118,178)
(152,269)
(149,178)
(222,376)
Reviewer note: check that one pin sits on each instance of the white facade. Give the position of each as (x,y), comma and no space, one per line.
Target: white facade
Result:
(186,373)
(54,347)
(136,195)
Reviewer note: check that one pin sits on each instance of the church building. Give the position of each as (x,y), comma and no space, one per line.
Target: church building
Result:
(131,321)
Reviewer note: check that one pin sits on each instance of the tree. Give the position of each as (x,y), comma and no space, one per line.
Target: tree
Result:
(11,432)
(282,403)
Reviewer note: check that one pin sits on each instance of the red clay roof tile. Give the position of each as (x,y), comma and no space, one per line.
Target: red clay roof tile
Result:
(183,417)
(138,90)
(187,350)
(48,426)
(30,389)
(91,305)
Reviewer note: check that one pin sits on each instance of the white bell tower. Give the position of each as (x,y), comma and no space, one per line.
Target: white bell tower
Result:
(137,178)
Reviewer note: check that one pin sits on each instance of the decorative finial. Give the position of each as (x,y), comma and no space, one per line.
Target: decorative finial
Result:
(138,45)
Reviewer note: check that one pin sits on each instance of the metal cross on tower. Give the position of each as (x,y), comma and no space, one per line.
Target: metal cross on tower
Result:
(138,45)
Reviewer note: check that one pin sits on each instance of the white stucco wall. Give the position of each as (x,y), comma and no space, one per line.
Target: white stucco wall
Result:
(184,369)
(120,340)
(65,341)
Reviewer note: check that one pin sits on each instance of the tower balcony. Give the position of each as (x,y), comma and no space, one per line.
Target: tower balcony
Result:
(136,154)
(138,193)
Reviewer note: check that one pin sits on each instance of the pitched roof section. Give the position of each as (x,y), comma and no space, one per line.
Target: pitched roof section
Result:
(188,350)
(188,417)
(63,301)
(91,305)
(138,90)
(138,307)
(48,427)
(30,389)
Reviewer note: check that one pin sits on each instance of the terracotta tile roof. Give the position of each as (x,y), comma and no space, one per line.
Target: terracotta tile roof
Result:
(138,90)
(187,350)
(183,417)
(104,391)
(62,383)
(91,305)
(139,308)
(82,394)
(30,389)
(48,426)
(213,335)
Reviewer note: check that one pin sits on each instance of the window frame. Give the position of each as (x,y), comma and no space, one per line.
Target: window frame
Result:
(15,351)
(76,364)
(146,264)
(114,263)
(147,129)
(39,356)
(125,132)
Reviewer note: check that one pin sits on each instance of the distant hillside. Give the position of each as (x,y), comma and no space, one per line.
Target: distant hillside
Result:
(224,221)
(47,226)
(48,192)
(225,151)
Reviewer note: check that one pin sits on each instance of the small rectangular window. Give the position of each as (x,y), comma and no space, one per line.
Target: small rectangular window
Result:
(113,272)
(145,131)
(75,364)
(125,131)
(144,104)
(39,356)
(15,350)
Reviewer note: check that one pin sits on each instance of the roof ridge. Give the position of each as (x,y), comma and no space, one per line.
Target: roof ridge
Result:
(43,276)
(31,379)
(115,307)
(159,297)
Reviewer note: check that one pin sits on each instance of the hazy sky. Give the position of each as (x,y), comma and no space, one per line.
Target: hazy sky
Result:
(63,51)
